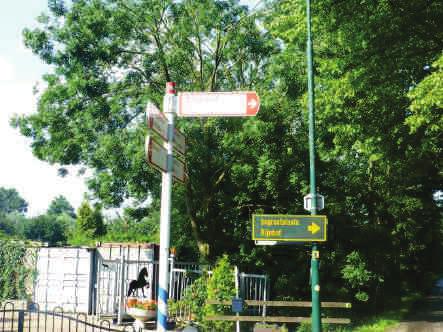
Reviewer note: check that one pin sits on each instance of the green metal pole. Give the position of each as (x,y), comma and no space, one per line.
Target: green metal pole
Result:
(315,282)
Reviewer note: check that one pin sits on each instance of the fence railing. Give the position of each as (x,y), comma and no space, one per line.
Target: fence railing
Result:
(35,320)
(280,319)
(252,287)
(113,277)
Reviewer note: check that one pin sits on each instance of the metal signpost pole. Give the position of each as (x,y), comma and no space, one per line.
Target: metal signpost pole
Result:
(315,283)
(165,212)
(237,323)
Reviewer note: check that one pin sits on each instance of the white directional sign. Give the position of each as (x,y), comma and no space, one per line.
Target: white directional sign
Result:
(209,104)
(158,157)
(158,123)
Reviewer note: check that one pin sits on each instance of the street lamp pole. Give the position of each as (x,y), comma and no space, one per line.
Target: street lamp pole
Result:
(315,282)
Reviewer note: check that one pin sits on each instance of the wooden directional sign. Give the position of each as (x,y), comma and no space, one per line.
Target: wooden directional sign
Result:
(209,104)
(158,123)
(157,156)
(275,227)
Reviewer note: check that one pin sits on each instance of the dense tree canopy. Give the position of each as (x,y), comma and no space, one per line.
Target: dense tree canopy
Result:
(376,171)
(12,210)
(11,201)
(378,87)
(59,206)
(90,220)
(46,228)
(110,57)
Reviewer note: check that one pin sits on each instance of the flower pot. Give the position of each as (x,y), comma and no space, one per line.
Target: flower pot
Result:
(141,314)
(131,302)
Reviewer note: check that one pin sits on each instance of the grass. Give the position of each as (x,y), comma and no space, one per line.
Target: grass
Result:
(390,318)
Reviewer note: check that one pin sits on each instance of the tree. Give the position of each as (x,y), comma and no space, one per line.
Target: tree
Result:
(13,224)
(426,118)
(12,210)
(10,201)
(90,221)
(60,205)
(377,177)
(46,228)
(112,56)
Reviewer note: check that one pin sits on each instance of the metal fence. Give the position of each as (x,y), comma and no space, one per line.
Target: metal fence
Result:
(113,276)
(254,287)
(33,319)
(251,287)
(182,275)
(112,283)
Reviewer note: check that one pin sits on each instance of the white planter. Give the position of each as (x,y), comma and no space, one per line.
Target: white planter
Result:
(141,314)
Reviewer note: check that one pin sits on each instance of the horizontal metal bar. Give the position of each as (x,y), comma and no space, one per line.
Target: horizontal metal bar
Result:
(260,276)
(186,271)
(301,304)
(277,319)
(63,315)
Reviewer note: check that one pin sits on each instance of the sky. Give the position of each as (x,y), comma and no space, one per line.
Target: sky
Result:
(36,181)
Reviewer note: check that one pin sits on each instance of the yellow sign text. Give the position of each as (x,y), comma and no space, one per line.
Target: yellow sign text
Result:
(270,233)
(280,222)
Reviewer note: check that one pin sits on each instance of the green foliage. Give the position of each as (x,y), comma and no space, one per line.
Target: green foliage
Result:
(90,221)
(221,286)
(113,56)
(378,127)
(52,227)
(89,225)
(426,119)
(60,205)
(47,228)
(13,224)
(15,275)
(356,275)
(129,230)
(10,201)
(378,175)
(194,299)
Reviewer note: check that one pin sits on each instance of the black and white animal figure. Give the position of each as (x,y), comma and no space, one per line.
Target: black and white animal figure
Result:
(139,283)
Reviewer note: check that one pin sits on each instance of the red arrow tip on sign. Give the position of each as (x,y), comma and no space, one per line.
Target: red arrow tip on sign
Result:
(253,103)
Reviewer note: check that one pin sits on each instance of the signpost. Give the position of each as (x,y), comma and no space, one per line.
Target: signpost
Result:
(158,124)
(315,253)
(158,157)
(210,104)
(161,125)
(293,228)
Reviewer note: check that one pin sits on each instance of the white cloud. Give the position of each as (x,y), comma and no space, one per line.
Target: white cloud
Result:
(7,72)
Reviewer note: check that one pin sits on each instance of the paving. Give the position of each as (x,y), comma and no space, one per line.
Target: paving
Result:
(427,315)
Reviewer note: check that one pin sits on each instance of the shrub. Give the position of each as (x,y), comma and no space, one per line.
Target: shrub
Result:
(14,273)
(220,285)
